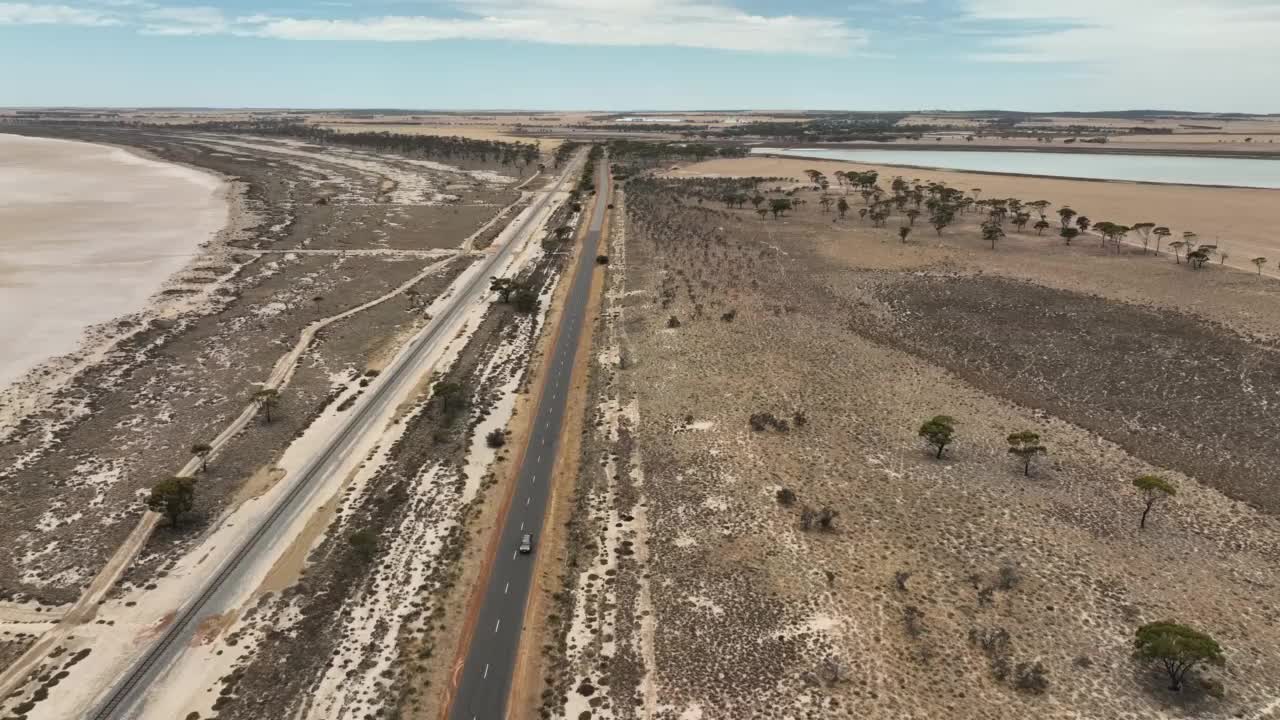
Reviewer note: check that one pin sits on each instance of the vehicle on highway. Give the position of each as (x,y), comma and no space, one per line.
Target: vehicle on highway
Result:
(526,543)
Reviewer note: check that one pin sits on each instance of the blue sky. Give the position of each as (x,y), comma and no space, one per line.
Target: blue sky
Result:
(1213,55)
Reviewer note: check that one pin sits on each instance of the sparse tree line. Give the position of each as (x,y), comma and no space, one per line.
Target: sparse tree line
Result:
(939,433)
(1173,648)
(941,206)
(447,147)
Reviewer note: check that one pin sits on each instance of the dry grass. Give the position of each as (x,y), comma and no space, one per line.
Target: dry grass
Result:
(746,620)
(1239,220)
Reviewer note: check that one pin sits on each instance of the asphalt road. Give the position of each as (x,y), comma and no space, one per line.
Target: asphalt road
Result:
(486,675)
(126,699)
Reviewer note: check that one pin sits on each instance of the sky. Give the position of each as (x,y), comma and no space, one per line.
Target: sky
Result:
(1036,55)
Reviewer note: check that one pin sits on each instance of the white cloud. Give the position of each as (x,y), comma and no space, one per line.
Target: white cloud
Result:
(184,21)
(653,23)
(28,14)
(680,23)
(1141,53)
(1099,31)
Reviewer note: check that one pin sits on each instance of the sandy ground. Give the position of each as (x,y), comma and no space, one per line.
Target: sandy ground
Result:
(91,233)
(1238,220)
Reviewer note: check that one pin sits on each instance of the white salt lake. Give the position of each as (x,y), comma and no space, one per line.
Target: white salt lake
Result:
(88,233)
(1181,170)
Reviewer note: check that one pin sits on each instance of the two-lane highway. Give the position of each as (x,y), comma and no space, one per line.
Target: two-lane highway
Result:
(486,675)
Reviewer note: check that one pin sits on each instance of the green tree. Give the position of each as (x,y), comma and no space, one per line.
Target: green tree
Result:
(173,497)
(912,214)
(1198,257)
(1177,246)
(1153,488)
(842,206)
(267,399)
(1176,648)
(1041,225)
(1065,214)
(451,398)
(941,218)
(1258,262)
(825,201)
(779,206)
(903,232)
(503,286)
(756,200)
(1026,445)
(992,231)
(939,431)
(1161,233)
(202,450)
(1144,231)
(762,212)
(1083,223)
(1069,234)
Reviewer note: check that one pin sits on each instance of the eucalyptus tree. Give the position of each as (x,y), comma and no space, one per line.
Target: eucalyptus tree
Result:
(1161,233)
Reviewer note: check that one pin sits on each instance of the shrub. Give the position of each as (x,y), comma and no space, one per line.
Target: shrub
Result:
(1008,577)
(525,301)
(763,421)
(786,497)
(1212,688)
(364,542)
(900,579)
(673,322)
(602,259)
(496,439)
(913,619)
(1031,678)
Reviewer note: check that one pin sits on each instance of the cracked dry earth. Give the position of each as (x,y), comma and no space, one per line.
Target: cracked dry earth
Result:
(952,588)
(71,473)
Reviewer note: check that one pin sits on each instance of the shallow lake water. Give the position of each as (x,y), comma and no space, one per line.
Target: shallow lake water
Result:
(87,234)
(1236,172)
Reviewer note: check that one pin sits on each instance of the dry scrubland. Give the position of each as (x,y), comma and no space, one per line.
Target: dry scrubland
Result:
(945,588)
(1238,220)
(315,233)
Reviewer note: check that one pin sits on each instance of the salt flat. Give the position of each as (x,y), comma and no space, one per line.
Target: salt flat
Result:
(88,233)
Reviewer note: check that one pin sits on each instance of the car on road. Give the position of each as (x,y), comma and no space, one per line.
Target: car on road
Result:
(526,543)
